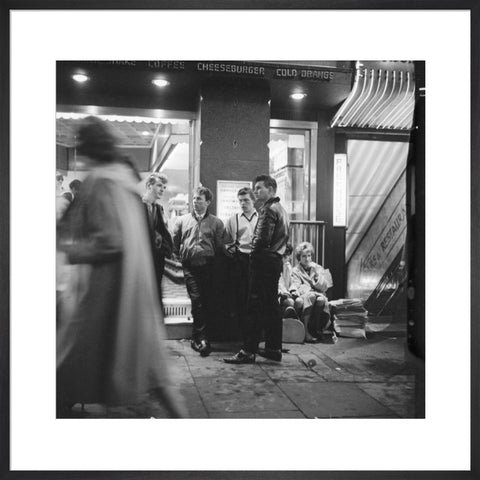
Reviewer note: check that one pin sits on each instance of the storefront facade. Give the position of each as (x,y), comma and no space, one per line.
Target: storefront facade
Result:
(338,148)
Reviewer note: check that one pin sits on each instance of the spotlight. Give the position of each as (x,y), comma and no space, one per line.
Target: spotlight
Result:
(80,77)
(298,96)
(160,82)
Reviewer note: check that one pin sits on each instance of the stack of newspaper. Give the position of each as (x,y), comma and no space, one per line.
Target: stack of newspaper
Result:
(349,316)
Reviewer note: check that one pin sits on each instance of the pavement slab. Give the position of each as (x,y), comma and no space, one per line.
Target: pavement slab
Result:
(399,397)
(279,414)
(209,367)
(404,411)
(180,371)
(354,378)
(234,395)
(285,374)
(377,356)
(333,400)
(193,402)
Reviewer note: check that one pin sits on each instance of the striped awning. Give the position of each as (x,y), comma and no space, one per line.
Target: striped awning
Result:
(130,130)
(381,99)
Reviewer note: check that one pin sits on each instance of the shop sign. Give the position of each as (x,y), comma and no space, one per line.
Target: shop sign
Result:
(381,243)
(238,69)
(227,200)
(388,242)
(340,190)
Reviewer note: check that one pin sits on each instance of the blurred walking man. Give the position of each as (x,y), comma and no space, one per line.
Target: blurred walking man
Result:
(268,246)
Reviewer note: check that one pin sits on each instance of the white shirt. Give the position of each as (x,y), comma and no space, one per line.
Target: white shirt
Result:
(198,216)
(246,228)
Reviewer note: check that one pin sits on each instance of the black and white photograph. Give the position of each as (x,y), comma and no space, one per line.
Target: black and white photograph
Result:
(259,255)
(236,239)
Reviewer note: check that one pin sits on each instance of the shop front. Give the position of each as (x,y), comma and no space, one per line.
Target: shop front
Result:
(335,136)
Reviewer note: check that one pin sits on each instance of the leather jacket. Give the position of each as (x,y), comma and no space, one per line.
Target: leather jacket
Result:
(198,240)
(271,232)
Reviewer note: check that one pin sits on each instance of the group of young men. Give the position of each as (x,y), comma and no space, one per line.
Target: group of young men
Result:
(254,240)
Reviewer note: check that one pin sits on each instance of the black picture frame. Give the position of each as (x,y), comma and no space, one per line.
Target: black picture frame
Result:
(7,6)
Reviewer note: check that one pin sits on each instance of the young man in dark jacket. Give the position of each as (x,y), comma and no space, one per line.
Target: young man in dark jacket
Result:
(197,238)
(268,246)
(160,238)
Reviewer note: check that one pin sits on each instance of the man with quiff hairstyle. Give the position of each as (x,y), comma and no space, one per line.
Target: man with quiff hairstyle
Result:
(268,246)
(160,238)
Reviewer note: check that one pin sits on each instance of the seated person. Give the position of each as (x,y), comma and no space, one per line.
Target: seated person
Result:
(287,293)
(311,281)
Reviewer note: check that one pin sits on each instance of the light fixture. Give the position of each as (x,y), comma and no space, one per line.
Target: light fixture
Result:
(298,96)
(145,132)
(160,82)
(80,77)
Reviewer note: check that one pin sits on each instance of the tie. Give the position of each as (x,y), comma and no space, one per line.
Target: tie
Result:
(152,215)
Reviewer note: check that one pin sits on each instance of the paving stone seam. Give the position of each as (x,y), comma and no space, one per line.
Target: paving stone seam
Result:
(293,401)
(341,373)
(359,385)
(275,380)
(328,361)
(333,372)
(196,387)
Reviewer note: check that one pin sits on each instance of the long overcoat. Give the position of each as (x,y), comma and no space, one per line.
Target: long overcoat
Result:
(110,333)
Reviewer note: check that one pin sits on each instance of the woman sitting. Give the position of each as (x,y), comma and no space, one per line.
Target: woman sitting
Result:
(287,292)
(311,281)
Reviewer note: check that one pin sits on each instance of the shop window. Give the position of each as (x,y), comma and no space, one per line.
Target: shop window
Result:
(176,168)
(292,146)
(151,143)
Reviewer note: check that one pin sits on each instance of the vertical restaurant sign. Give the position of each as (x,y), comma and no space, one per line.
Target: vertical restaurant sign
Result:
(340,190)
(382,241)
(227,201)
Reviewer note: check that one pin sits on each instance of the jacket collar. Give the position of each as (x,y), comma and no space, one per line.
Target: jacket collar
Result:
(271,200)
(197,218)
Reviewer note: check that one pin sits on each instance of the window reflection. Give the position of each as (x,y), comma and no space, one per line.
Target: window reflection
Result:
(289,166)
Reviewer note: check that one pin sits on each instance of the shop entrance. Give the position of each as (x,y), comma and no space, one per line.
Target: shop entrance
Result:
(152,141)
(292,147)
(293,155)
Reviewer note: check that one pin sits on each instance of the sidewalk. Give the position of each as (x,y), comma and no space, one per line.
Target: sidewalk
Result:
(354,378)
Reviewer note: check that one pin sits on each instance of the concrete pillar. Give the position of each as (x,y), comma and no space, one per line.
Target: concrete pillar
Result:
(234,131)
(234,134)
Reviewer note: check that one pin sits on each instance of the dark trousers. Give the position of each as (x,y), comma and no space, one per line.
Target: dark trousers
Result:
(239,286)
(199,282)
(263,307)
(159,267)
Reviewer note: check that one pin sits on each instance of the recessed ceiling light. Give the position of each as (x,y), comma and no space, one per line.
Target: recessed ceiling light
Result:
(298,96)
(146,133)
(160,82)
(80,77)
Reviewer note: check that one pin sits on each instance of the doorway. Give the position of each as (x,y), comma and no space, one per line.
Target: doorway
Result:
(293,153)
